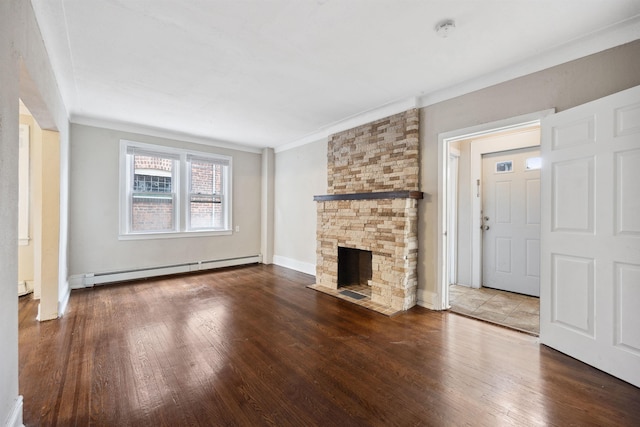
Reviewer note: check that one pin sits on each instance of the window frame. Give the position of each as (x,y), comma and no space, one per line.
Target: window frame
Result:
(225,163)
(181,182)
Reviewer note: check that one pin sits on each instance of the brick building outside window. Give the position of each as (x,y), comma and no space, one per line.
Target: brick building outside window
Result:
(152,204)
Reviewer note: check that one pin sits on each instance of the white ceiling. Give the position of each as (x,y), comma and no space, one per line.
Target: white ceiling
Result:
(268,73)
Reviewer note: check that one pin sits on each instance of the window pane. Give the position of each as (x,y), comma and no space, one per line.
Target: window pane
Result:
(205,178)
(151,213)
(152,204)
(152,174)
(150,183)
(533,163)
(206,211)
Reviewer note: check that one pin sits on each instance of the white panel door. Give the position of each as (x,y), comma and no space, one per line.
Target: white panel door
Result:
(511,221)
(590,265)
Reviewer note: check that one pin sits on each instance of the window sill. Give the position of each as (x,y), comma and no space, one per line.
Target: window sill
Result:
(174,235)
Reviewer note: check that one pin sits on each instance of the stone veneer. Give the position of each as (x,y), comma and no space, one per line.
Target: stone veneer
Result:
(381,156)
(387,228)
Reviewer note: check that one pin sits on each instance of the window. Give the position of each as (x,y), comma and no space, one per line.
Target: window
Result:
(504,167)
(207,178)
(533,163)
(168,192)
(151,192)
(152,196)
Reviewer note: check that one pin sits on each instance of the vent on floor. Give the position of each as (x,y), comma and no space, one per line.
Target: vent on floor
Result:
(352,294)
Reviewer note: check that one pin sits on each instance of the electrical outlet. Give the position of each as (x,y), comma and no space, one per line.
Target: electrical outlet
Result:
(237,228)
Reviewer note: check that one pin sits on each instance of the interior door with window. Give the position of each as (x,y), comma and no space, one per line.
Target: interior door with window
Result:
(590,265)
(511,221)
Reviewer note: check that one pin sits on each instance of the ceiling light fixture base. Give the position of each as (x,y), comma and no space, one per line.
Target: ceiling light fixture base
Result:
(444,28)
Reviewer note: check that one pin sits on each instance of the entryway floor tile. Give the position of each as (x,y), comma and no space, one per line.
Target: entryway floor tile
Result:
(516,311)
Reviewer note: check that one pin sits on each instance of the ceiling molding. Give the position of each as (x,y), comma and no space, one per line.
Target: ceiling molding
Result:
(351,122)
(159,133)
(315,137)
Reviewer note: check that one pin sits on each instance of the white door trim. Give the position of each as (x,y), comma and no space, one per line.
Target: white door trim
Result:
(454,161)
(441,301)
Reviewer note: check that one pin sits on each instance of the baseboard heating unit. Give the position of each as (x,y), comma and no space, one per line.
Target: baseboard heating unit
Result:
(88,280)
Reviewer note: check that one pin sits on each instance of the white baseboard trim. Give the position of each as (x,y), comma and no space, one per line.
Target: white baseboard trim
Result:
(294,264)
(15,417)
(88,280)
(428,299)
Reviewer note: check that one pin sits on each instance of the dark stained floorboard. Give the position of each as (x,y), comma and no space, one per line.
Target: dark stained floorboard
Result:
(252,346)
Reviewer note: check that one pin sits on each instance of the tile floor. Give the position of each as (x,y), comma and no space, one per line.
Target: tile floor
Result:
(516,311)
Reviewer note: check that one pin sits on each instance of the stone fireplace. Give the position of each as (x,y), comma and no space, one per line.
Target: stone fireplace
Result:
(368,218)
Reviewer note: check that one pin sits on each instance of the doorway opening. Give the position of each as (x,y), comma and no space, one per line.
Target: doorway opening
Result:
(39,214)
(510,218)
(461,247)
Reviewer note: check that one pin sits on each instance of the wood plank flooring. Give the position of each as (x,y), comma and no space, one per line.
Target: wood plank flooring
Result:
(253,346)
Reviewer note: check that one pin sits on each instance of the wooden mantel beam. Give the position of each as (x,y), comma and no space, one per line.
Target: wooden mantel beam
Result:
(371,196)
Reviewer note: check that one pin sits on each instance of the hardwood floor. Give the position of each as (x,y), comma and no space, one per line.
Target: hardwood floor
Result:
(252,346)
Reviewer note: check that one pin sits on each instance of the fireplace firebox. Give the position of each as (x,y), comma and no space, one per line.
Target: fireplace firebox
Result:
(354,266)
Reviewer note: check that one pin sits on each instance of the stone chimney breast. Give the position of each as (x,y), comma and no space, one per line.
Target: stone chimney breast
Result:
(372,205)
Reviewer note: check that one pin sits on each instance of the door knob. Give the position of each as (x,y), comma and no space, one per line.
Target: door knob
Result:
(485,227)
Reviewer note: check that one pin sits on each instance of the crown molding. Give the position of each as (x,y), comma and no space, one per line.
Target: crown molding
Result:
(314,137)
(159,133)
(353,121)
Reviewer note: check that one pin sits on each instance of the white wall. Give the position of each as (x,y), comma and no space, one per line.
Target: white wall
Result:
(8,215)
(301,173)
(22,54)
(94,206)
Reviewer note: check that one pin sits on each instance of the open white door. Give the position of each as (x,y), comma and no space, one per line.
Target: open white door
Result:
(590,236)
